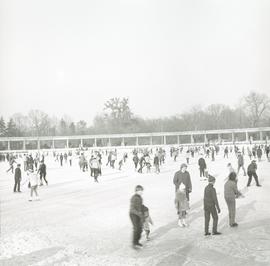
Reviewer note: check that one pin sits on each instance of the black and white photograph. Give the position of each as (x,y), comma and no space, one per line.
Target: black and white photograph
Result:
(134,133)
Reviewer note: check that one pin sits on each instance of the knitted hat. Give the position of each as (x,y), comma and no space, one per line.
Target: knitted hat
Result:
(211,179)
(138,188)
(183,165)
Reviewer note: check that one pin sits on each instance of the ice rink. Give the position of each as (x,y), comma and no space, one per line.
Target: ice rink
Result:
(80,222)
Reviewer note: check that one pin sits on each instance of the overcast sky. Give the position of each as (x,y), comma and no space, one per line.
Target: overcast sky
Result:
(69,57)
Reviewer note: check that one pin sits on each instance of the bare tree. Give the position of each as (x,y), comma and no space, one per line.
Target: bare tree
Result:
(257,106)
(40,122)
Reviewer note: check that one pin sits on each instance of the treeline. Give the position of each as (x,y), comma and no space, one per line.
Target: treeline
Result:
(117,117)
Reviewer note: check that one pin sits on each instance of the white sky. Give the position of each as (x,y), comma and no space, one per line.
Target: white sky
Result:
(69,57)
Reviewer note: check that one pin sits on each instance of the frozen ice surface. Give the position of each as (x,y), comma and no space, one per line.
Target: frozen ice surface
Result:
(80,222)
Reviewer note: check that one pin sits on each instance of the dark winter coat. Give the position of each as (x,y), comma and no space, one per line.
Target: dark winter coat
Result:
(136,205)
(252,168)
(184,178)
(18,173)
(202,163)
(42,168)
(210,198)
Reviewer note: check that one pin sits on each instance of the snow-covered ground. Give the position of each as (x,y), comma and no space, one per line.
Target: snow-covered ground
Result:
(80,222)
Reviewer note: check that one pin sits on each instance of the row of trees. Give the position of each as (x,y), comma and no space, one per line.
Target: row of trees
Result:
(117,117)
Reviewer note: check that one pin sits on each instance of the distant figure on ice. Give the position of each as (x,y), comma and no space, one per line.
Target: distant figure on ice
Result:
(252,172)
(11,164)
(135,160)
(33,180)
(42,173)
(226,152)
(156,163)
(211,206)
(181,205)
(202,166)
(61,159)
(17,177)
(188,156)
(259,153)
(136,215)
(240,160)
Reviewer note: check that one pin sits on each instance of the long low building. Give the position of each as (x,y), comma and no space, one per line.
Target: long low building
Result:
(242,135)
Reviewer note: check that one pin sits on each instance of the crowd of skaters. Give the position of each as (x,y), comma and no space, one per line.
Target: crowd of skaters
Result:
(183,187)
(146,160)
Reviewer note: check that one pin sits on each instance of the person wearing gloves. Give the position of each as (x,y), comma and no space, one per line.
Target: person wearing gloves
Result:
(211,206)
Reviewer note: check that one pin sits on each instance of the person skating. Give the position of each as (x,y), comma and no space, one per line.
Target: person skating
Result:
(188,156)
(11,164)
(42,173)
(136,216)
(135,161)
(181,205)
(226,152)
(61,159)
(17,177)
(240,160)
(33,180)
(251,171)
(95,166)
(259,153)
(70,158)
(156,163)
(141,163)
(211,206)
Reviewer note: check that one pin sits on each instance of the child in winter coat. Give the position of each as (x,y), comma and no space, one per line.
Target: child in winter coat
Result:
(147,221)
(181,205)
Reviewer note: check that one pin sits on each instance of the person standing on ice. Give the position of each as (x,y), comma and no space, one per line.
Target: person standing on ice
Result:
(202,165)
(259,153)
(211,206)
(95,166)
(156,163)
(183,176)
(17,177)
(240,160)
(230,194)
(33,180)
(70,158)
(188,156)
(61,159)
(137,216)
(135,160)
(181,205)
(42,173)
(226,152)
